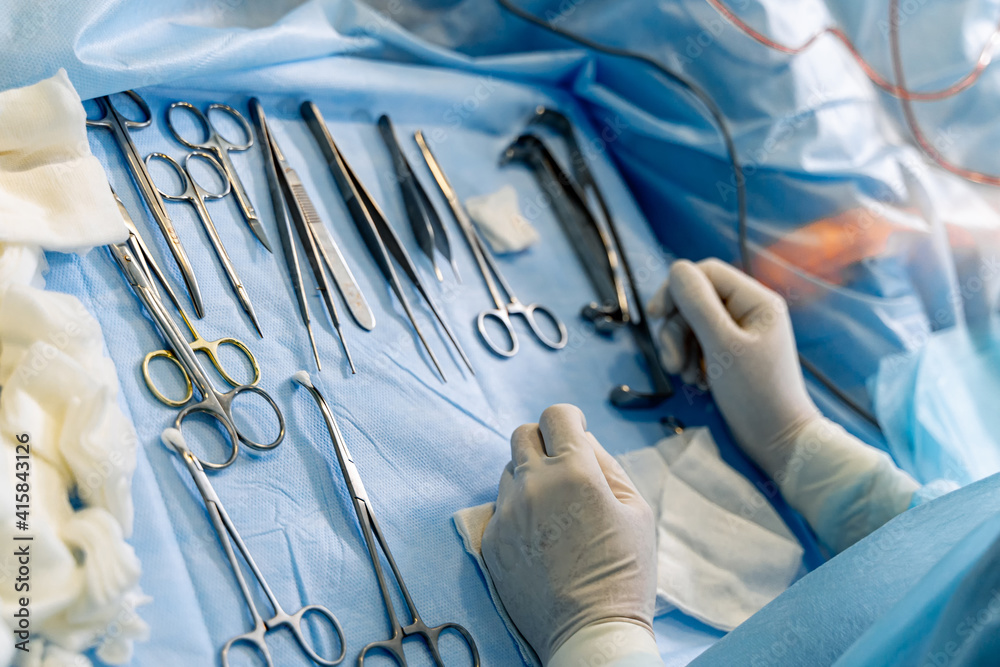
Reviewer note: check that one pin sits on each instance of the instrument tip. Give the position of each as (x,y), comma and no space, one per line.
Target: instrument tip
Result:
(299,377)
(437,272)
(454,269)
(312,341)
(172,439)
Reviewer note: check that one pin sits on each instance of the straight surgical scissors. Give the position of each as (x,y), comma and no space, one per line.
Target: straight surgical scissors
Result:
(218,145)
(112,120)
(133,261)
(375,539)
(228,536)
(488,267)
(196,195)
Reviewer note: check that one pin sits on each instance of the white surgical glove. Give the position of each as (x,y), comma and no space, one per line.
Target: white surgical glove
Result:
(726,330)
(571,547)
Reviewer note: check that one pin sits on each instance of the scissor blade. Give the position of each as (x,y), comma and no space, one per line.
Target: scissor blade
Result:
(258,231)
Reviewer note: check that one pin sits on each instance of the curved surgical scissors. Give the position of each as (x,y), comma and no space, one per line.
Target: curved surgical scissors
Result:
(375,539)
(131,260)
(218,145)
(488,267)
(196,195)
(227,537)
(115,122)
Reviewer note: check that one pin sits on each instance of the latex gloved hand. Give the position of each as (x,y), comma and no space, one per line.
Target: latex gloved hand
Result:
(728,331)
(742,331)
(572,544)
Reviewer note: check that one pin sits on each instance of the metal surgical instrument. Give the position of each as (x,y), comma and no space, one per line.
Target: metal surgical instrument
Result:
(228,536)
(622,396)
(119,126)
(284,224)
(378,235)
(505,308)
(426,223)
(219,146)
(591,243)
(374,538)
(134,263)
(316,240)
(196,195)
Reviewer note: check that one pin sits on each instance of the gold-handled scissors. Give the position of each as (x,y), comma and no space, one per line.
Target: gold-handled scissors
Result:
(211,350)
(134,260)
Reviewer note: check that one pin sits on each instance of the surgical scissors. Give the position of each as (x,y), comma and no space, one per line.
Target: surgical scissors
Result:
(199,344)
(196,195)
(488,267)
(134,261)
(375,539)
(227,534)
(119,126)
(218,145)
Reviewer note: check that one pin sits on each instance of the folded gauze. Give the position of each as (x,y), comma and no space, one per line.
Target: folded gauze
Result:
(65,443)
(722,550)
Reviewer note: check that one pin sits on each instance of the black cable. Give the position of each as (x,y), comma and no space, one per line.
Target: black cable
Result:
(719,119)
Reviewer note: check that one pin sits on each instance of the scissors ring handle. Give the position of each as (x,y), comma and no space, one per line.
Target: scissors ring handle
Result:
(530,313)
(222,415)
(227,401)
(109,111)
(187,189)
(433,635)
(295,623)
(392,647)
(211,348)
(241,121)
(160,396)
(202,120)
(254,638)
(504,319)
(219,169)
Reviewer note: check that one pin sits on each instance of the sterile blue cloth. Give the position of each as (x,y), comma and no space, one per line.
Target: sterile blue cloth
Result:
(425,449)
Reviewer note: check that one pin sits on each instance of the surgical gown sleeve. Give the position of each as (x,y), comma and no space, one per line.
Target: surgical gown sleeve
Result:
(922,589)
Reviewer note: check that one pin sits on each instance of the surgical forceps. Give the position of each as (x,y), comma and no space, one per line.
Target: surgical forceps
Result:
(227,534)
(219,146)
(374,538)
(134,261)
(424,220)
(376,231)
(488,267)
(119,126)
(621,396)
(590,241)
(196,195)
(287,191)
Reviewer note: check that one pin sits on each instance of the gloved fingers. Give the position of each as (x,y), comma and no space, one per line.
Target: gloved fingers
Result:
(563,428)
(506,487)
(742,295)
(525,444)
(662,304)
(699,303)
(675,344)
(618,480)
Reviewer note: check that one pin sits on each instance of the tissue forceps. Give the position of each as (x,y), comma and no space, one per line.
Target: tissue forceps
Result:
(219,146)
(374,538)
(424,220)
(287,192)
(226,532)
(488,267)
(134,262)
(119,126)
(383,243)
(196,195)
